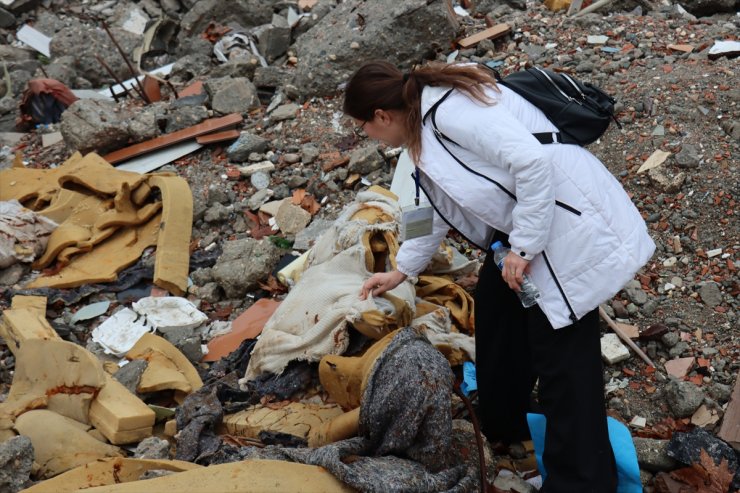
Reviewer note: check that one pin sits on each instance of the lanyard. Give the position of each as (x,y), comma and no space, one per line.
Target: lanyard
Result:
(418,186)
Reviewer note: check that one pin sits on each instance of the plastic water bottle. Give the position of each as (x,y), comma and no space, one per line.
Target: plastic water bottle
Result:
(528,293)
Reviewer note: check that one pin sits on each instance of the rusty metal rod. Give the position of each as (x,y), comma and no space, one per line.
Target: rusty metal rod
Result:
(134,73)
(114,76)
(625,337)
(478,438)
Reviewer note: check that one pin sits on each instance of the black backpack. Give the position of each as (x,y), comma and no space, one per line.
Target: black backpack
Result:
(581,111)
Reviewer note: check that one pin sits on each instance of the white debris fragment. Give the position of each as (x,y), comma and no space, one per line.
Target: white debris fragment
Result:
(169,313)
(714,252)
(612,349)
(638,422)
(120,332)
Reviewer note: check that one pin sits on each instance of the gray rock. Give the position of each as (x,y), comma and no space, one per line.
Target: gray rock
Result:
(285,112)
(246,144)
(84,43)
(7,19)
(710,294)
(260,180)
(273,39)
(61,69)
(243,264)
(11,54)
(13,274)
(291,158)
(646,478)
(185,117)
(309,153)
(259,198)
(678,349)
(399,31)
(144,124)
(683,398)
(365,159)
(190,66)
(217,195)
(636,294)
(664,182)
(292,219)
(202,276)
(244,13)
(152,448)
(732,128)
(269,77)
(585,67)
(210,292)
(18,81)
(296,181)
(307,237)
(94,125)
(235,68)
(217,213)
(187,342)
(688,157)
(229,95)
(16,459)
(652,454)
(670,339)
(513,483)
(129,375)
(719,392)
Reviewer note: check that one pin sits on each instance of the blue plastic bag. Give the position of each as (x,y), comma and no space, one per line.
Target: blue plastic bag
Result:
(628,471)
(470,382)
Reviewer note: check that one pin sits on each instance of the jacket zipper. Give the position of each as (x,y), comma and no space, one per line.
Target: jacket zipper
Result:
(573,316)
(448,222)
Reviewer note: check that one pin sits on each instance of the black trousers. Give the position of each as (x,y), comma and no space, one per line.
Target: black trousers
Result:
(516,347)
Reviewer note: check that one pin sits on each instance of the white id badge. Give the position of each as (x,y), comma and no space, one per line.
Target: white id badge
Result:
(416,221)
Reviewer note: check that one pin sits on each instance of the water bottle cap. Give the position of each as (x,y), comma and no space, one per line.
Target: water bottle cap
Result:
(496,244)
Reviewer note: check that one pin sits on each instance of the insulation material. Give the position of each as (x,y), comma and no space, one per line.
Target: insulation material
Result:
(295,418)
(444,292)
(23,233)
(314,318)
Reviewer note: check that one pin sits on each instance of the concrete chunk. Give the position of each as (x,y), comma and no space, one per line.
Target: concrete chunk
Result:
(612,349)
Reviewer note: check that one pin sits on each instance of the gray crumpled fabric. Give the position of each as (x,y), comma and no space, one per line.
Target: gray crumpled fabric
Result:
(405,433)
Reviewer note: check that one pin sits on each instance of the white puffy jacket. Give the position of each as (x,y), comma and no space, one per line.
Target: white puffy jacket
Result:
(562,209)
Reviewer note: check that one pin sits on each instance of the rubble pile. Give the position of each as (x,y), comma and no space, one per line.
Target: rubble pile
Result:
(186,218)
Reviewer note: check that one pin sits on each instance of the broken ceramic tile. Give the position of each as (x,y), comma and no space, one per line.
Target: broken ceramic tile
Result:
(169,313)
(90,311)
(119,333)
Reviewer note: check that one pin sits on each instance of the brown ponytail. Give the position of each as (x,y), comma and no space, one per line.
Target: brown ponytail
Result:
(380,85)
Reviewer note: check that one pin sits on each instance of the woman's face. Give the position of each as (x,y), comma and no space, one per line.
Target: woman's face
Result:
(386,126)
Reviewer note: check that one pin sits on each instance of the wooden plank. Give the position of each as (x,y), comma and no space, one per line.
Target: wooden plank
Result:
(491,33)
(208,126)
(216,137)
(730,429)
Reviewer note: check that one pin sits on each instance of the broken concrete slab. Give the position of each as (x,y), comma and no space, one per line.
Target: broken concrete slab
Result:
(107,471)
(246,144)
(243,264)
(58,443)
(232,95)
(251,476)
(292,219)
(263,166)
(248,325)
(119,415)
(657,158)
(95,125)
(285,112)
(16,461)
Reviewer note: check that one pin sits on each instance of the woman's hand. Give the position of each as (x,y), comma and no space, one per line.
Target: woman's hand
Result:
(514,269)
(381,282)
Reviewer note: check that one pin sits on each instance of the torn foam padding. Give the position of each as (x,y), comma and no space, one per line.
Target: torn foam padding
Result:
(444,292)
(106,260)
(23,233)
(34,188)
(149,347)
(313,319)
(173,246)
(23,323)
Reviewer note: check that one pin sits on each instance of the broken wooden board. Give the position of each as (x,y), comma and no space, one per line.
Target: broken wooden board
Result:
(491,33)
(251,476)
(107,472)
(208,126)
(116,410)
(730,429)
(59,444)
(173,244)
(216,137)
